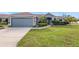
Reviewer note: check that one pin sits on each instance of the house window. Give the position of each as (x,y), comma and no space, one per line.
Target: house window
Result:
(54,19)
(60,19)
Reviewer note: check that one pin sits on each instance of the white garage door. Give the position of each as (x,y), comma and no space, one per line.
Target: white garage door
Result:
(21,22)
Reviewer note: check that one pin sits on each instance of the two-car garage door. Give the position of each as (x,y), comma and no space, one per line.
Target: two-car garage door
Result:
(21,22)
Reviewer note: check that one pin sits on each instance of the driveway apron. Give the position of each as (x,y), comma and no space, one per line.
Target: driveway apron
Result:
(10,36)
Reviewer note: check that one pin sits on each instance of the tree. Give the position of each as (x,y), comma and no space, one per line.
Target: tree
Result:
(70,19)
(43,19)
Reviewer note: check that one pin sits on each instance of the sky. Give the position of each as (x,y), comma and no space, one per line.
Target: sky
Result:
(75,14)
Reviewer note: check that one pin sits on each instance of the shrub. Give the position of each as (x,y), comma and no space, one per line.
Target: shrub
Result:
(3,23)
(56,22)
(1,26)
(42,24)
(66,22)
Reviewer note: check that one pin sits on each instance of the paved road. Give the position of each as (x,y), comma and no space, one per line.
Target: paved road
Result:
(10,36)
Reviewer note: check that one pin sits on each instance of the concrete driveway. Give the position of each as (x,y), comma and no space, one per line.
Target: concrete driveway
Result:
(10,36)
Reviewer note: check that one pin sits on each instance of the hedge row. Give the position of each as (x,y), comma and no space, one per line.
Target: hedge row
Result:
(59,23)
(42,24)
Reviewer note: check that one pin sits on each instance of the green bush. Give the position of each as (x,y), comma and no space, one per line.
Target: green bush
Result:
(42,24)
(1,26)
(3,23)
(56,22)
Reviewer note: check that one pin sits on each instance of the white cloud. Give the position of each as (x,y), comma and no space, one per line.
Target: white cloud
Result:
(39,5)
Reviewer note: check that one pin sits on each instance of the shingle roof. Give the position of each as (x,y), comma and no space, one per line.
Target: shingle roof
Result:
(4,15)
(38,15)
(60,17)
(23,13)
(28,14)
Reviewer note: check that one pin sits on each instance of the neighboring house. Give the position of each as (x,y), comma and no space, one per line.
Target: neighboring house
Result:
(26,19)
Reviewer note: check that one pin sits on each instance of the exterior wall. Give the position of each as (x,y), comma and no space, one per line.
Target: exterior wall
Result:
(9,21)
(34,21)
(63,19)
(58,18)
(3,19)
(52,18)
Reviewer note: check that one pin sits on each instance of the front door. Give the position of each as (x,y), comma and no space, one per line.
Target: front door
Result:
(49,20)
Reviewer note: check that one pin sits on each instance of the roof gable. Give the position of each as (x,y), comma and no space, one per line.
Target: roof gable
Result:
(49,14)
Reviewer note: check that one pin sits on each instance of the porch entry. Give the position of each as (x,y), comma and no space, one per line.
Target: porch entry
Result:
(49,20)
(4,20)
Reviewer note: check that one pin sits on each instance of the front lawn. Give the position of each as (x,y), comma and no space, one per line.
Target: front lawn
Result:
(57,36)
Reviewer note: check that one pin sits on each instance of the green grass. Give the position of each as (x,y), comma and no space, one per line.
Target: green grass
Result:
(57,36)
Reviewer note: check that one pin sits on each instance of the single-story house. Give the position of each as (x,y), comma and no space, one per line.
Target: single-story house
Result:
(27,19)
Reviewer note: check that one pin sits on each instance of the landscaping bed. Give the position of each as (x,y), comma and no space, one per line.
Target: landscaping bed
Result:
(57,36)
(3,25)
(44,27)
